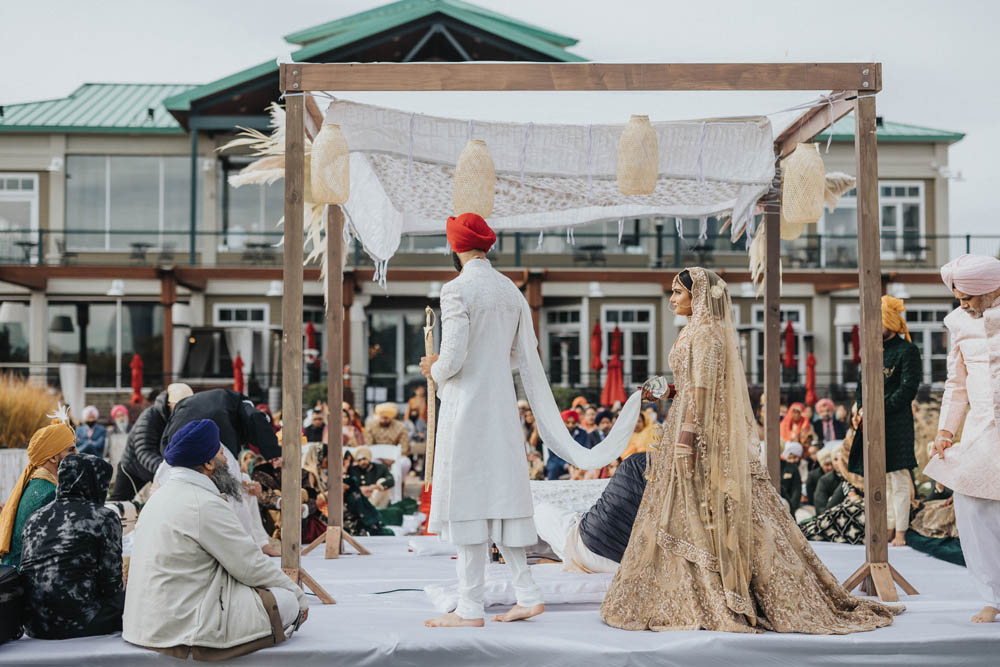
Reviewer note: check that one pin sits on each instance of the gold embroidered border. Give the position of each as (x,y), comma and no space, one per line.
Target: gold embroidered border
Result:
(688,551)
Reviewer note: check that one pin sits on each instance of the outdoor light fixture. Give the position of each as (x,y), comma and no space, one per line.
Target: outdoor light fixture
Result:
(434,291)
(898,290)
(595,290)
(12,312)
(117,288)
(61,324)
(275,288)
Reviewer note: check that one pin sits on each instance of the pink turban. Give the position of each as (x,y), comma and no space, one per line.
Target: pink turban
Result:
(974,275)
(824,403)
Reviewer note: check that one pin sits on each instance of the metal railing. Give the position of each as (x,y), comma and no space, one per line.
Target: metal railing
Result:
(662,247)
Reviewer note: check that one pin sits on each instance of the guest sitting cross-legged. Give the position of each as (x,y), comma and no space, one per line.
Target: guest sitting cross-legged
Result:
(197,582)
(72,557)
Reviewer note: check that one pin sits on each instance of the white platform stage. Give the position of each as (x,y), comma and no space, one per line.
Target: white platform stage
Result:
(365,629)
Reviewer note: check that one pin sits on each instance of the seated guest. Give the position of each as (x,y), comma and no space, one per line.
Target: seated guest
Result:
(239,422)
(643,436)
(589,423)
(36,487)
(72,557)
(828,489)
(416,426)
(843,519)
(791,479)
(314,432)
(825,460)
(360,516)
(197,582)
(268,475)
(826,426)
(595,541)
(387,430)
(793,422)
(374,478)
(556,467)
(604,421)
(91,436)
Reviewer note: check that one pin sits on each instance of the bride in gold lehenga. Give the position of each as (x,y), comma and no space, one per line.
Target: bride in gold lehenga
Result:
(713,547)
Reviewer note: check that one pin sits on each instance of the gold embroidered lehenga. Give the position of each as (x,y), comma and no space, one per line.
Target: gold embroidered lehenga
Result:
(713,547)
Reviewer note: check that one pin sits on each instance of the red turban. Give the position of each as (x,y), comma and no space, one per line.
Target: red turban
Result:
(566,414)
(470,232)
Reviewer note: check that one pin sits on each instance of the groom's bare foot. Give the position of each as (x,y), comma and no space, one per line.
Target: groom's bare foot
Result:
(453,620)
(899,540)
(519,613)
(987,615)
(891,535)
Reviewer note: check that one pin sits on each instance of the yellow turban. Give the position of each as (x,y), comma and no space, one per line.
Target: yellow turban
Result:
(892,318)
(387,410)
(44,444)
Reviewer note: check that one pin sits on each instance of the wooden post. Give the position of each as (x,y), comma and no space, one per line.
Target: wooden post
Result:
(168,297)
(772,338)
(334,376)
(876,575)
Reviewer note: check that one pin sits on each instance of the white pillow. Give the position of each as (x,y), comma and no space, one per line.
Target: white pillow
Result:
(558,587)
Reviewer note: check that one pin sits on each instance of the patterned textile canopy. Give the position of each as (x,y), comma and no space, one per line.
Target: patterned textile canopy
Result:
(549,178)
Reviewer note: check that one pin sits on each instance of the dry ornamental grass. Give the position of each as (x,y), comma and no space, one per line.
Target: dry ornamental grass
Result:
(23,410)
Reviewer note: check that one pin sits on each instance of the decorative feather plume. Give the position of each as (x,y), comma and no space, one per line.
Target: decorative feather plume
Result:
(61,414)
(758,261)
(837,183)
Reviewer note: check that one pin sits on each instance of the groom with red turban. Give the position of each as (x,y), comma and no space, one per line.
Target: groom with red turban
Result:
(469,233)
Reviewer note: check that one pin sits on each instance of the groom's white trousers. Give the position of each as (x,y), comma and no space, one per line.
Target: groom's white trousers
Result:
(473,560)
(978,521)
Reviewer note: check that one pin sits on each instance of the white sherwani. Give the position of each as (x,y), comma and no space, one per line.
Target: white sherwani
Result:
(971,468)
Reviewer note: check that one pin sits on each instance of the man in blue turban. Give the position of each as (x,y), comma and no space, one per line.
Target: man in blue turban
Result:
(215,594)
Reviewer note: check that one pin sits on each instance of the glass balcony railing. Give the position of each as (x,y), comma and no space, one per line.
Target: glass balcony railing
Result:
(661,248)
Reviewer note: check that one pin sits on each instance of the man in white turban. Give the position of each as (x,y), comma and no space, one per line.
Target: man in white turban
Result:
(971,468)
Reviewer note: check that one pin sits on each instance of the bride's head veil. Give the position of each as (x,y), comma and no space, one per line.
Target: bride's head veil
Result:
(721,403)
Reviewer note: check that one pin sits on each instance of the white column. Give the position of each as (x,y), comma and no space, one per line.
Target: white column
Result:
(585,327)
(824,346)
(359,342)
(57,199)
(208,188)
(38,336)
(197,309)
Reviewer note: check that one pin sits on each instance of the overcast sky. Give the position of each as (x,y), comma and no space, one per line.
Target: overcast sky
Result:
(939,58)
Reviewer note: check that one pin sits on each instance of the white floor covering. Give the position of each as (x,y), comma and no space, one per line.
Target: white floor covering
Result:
(365,629)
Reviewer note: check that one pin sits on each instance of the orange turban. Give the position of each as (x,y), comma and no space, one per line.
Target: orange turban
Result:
(470,232)
(891,316)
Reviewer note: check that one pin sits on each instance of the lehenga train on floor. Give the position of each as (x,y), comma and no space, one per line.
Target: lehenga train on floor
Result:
(713,547)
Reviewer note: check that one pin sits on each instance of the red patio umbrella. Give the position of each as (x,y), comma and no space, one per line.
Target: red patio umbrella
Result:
(596,343)
(136,366)
(614,385)
(856,344)
(790,361)
(811,379)
(238,383)
(311,347)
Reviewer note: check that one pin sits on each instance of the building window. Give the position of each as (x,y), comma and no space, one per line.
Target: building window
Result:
(105,336)
(18,217)
(250,213)
(796,314)
(395,346)
(902,225)
(117,202)
(563,334)
(638,327)
(717,240)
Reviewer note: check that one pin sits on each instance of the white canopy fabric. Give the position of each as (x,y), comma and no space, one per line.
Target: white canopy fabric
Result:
(549,178)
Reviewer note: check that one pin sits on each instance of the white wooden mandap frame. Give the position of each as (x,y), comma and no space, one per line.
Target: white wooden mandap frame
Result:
(858,83)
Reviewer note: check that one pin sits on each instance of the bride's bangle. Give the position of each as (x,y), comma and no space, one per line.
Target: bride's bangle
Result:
(680,449)
(689,428)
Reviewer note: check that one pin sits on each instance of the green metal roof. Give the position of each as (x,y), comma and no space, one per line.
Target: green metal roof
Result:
(99,107)
(335,34)
(385,14)
(843,130)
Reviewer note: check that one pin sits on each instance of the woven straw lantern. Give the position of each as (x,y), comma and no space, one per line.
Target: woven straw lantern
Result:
(803,186)
(638,158)
(330,177)
(475,180)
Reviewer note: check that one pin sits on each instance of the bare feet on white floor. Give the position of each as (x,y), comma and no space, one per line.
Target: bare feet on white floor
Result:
(453,620)
(519,613)
(987,615)
(899,540)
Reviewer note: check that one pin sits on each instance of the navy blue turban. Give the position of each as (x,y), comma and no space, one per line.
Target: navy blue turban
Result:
(194,443)
(604,414)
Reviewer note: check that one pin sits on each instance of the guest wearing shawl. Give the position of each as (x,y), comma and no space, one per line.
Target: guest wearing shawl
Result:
(971,468)
(793,423)
(902,375)
(36,487)
(843,519)
(642,438)
(91,436)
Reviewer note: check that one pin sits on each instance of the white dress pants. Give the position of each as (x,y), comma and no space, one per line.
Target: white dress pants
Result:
(472,562)
(560,527)
(288,607)
(978,521)
(897,499)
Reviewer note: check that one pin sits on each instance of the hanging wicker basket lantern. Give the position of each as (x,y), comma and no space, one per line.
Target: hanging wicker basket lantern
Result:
(330,177)
(638,158)
(803,186)
(791,230)
(475,180)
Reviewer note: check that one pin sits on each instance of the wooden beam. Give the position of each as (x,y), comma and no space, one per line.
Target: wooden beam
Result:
(168,297)
(24,276)
(812,122)
(772,338)
(297,77)
(291,335)
(334,375)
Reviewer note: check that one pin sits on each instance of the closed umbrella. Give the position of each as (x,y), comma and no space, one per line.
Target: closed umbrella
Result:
(238,383)
(856,345)
(595,348)
(614,385)
(136,366)
(790,360)
(811,379)
(312,349)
